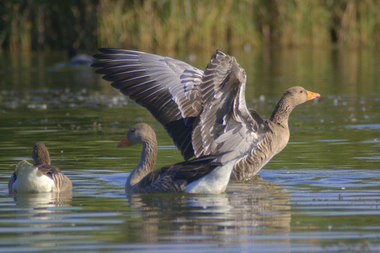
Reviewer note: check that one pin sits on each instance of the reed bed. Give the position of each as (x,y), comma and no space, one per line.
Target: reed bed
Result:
(170,27)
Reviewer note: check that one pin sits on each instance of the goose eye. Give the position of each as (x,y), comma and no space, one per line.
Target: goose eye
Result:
(301,91)
(132,130)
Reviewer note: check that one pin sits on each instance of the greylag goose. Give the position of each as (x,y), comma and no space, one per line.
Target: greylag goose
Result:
(200,175)
(40,177)
(76,60)
(203,112)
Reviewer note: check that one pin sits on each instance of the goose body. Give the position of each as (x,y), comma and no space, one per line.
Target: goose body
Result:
(204,112)
(30,179)
(76,60)
(201,175)
(40,177)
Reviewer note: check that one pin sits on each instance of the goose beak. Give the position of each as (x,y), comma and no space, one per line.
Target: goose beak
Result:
(123,143)
(312,95)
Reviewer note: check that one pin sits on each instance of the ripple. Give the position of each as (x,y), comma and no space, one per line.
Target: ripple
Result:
(364,127)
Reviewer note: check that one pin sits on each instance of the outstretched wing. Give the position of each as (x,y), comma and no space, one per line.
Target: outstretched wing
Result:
(175,177)
(226,124)
(168,88)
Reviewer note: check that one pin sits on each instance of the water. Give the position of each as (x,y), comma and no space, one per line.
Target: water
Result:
(322,193)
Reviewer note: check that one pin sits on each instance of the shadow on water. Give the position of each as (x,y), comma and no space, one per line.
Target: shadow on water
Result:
(320,194)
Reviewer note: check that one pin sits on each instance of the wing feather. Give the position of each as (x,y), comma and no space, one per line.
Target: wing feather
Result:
(225,123)
(175,177)
(168,88)
(203,112)
(61,181)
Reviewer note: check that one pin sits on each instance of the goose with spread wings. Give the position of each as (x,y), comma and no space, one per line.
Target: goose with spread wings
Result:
(40,177)
(204,112)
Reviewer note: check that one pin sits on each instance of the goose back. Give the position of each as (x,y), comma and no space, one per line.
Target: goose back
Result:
(176,177)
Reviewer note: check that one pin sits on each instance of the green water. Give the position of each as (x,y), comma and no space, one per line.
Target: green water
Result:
(322,193)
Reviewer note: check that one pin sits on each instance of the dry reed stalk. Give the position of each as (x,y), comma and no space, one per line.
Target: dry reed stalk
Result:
(348,33)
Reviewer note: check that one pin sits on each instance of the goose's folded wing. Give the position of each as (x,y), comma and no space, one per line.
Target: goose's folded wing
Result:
(48,170)
(61,181)
(175,177)
(168,88)
(226,124)
(11,181)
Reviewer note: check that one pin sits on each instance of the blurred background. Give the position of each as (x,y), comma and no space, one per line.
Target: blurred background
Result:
(169,27)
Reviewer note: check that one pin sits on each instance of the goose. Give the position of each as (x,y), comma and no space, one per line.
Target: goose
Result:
(200,175)
(204,112)
(40,177)
(76,60)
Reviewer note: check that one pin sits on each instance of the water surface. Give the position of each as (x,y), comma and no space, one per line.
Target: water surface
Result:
(322,193)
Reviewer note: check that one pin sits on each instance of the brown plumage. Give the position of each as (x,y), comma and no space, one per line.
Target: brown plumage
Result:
(168,179)
(203,112)
(40,154)
(42,162)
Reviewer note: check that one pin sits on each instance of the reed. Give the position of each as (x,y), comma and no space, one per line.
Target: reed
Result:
(187,25)
(369,23)
(21,26)
(37,24)
(302,23)
(169,26)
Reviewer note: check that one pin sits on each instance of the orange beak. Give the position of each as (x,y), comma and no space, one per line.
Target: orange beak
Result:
(123,143)
(312,95)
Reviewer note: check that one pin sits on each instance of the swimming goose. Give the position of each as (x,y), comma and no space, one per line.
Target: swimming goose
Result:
(203,112)
(200,175)
(40,177)
(76,60)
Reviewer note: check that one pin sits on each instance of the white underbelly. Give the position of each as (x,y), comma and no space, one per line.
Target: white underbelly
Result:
(213,183)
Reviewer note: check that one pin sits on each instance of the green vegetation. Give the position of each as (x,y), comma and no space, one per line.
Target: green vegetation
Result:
(183,25)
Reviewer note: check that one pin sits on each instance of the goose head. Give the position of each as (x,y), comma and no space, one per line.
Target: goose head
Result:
(298,95)
(139,133)
(40,154)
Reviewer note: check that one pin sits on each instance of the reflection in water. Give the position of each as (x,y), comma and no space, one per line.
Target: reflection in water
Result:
(39,213)
(253,207)
(42,201)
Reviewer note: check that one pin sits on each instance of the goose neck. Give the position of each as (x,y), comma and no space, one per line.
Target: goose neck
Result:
(280,115)
(145,166)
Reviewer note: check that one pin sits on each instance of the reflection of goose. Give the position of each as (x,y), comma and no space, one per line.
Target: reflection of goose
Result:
(203,112)
(40,177)
(43,200)
(199,175)
(248,208)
